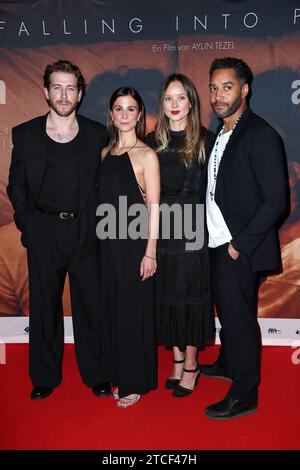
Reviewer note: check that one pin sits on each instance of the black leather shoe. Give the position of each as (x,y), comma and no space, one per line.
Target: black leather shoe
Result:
(38,393)
(230,408)
(214,371)
(102,390)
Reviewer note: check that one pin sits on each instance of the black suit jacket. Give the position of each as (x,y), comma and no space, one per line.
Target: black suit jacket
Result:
(28,167)
(251,190)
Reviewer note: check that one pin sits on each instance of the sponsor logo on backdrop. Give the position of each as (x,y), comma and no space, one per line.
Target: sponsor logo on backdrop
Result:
(274,331)
(26,330)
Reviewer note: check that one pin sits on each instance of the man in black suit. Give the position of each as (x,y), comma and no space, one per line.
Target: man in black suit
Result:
(246,195)
(52,181)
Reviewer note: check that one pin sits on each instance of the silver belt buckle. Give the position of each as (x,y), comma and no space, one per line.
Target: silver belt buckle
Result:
(65,215)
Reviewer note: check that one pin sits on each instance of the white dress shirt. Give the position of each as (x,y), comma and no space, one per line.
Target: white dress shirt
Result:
(217,228)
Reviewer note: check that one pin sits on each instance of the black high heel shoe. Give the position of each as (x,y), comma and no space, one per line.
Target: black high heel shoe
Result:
(172,383)
(179,391)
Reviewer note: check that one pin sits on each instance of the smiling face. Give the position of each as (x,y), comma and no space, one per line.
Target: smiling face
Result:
(125,113)
(63,95)
(227,93)
(176,104)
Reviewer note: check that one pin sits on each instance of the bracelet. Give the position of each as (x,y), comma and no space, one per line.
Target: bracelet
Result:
(149,257)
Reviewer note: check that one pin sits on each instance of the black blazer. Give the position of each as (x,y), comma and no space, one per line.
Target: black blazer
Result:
(28,167)
(252,188)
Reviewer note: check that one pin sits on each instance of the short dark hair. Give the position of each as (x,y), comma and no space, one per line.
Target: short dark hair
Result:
(242,70)
(141,125)
(67,67)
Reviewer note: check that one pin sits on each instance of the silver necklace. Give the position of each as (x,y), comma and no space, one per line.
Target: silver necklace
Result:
(215,158)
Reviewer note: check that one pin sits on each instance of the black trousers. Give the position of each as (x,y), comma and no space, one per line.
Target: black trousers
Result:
(51,251)
(235,290)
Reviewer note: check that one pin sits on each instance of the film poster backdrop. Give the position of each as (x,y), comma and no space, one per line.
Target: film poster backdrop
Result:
(139,43)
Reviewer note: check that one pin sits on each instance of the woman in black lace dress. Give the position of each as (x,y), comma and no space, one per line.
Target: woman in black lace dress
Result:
(184,316)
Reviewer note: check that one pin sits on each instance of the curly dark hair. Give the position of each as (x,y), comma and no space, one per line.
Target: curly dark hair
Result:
(67,67)
(242,70)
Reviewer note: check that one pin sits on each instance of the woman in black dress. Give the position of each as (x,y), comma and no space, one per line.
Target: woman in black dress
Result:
(127,261)
(184,317)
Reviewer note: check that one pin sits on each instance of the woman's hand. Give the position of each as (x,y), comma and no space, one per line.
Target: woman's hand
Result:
(147,268)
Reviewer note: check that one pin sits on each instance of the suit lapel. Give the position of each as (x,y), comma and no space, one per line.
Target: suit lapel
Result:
(36,157)
(231,146)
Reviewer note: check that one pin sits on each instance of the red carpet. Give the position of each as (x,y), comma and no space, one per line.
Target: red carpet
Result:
(72,418)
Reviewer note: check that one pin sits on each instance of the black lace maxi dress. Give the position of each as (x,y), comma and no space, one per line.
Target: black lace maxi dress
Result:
(183,303)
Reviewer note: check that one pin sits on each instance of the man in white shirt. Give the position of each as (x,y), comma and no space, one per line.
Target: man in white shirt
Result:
(246,195)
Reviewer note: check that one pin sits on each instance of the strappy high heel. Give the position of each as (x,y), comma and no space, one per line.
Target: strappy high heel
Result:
(171,383)
(180,391)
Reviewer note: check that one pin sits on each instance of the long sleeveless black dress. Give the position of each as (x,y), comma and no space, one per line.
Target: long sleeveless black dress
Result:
(183,301)
(127,306)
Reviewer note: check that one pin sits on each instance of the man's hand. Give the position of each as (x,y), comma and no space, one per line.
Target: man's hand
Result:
(233,253)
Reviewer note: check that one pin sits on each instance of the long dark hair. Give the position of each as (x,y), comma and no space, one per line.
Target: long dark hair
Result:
(141,124)
(195,136)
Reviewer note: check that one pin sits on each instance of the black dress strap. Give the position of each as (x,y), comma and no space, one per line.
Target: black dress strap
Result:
(143,191)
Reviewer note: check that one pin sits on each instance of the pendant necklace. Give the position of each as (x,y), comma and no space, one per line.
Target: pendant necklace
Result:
(215,157)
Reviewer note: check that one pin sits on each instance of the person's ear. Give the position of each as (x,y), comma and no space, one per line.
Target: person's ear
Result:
(245,90)
(46,93)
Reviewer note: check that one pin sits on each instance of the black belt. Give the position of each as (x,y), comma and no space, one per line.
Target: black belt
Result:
(60,215)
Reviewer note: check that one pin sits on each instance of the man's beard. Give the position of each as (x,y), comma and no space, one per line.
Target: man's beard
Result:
(231,109)
(65,111)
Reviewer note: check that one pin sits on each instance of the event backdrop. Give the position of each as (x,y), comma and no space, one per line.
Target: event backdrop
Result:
(138,43)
